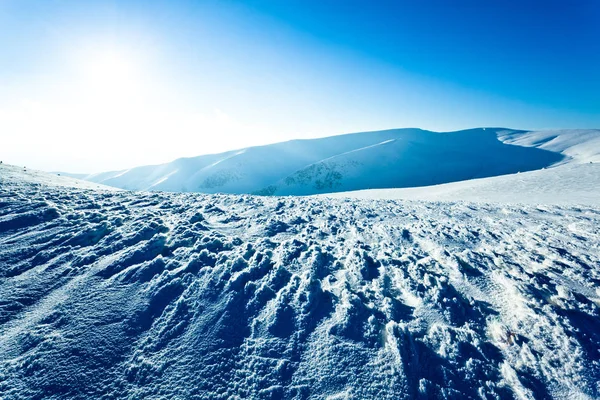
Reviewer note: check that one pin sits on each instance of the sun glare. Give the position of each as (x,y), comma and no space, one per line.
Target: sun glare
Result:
(109,75)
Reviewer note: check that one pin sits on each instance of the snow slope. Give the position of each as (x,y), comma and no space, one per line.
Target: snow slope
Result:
(9,173)
(240,171)
(422,158)
(383,159)
(572,184)
(574,180)
(579,145)
(179,295)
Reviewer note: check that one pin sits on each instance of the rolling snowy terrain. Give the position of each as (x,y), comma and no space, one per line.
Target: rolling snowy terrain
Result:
(119,294)
(11,173)
(572,184)
(574,180)
(396,158)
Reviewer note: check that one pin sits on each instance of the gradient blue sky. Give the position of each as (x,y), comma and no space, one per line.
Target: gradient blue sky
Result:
(99,85)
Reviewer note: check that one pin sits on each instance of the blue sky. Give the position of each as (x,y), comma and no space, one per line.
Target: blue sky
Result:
(98,85)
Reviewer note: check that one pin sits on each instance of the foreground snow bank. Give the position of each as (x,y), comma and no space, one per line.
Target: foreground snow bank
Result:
(156,295)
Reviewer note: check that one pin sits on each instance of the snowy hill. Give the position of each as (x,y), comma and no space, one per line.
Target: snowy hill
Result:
(114,294)
(579,145)
(571,184)
(419,159)
(574,180)
(384,159)
(240,171)
(10,173)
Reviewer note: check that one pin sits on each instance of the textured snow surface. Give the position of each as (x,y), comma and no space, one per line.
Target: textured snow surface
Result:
(366,160)
(165,295)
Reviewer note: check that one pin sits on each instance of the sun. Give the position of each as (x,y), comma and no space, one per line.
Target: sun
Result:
(110,68)
(109,75)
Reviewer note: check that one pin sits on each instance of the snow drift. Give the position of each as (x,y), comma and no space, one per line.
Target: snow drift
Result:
(120,294)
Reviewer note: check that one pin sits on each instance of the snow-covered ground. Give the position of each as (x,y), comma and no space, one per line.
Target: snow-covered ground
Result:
(11,173)
(566,184)
(579,145)
(394,158)
(136,295)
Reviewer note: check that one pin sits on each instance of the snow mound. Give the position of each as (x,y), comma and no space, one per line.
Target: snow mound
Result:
(382,159)
(178,295)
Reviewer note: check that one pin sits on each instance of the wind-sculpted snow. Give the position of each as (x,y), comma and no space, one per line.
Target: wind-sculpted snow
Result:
(158,295)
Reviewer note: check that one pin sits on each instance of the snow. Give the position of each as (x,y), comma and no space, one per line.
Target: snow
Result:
(368,160)
(118,294)
(9,173)
(580,145)
(569,184)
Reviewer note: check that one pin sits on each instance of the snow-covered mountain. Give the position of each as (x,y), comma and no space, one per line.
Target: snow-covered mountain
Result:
(368,160)
(578,145)
(116,294)
(572,181)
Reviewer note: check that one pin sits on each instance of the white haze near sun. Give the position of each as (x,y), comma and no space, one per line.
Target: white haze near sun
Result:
(112,114)
(79,95)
